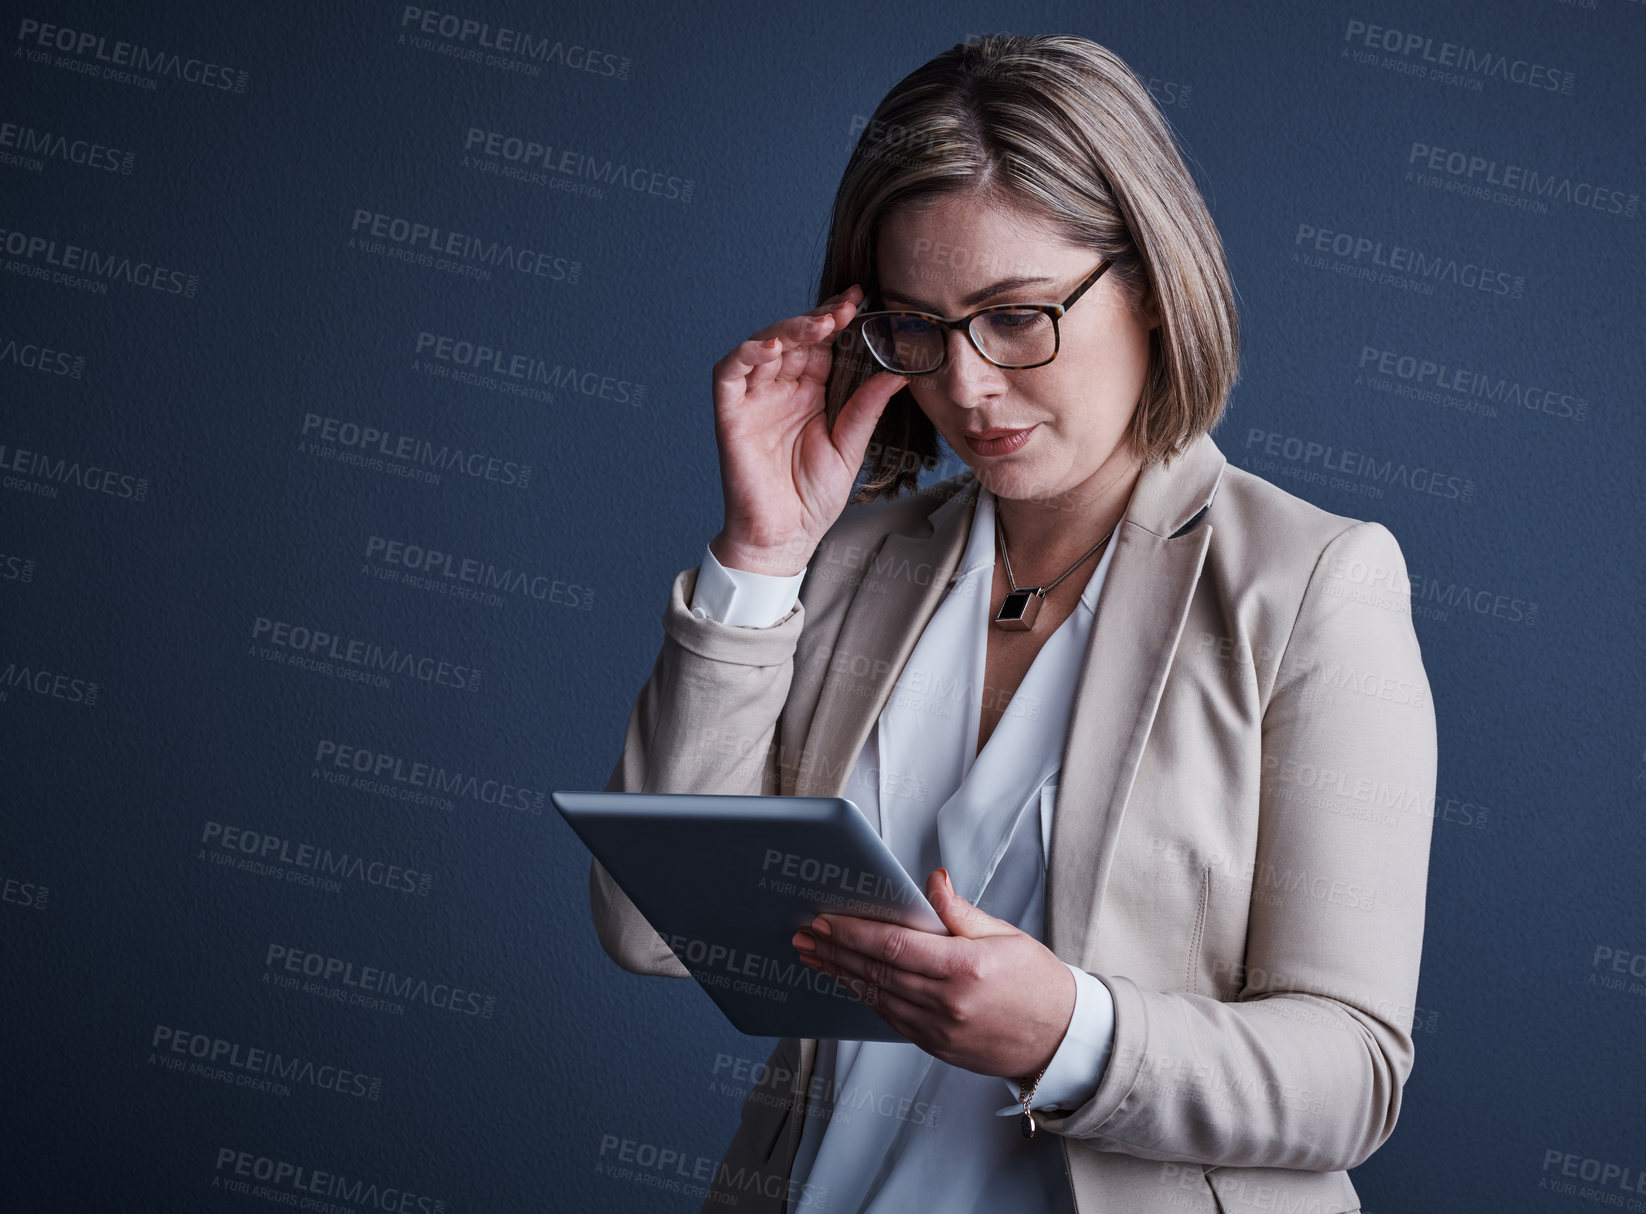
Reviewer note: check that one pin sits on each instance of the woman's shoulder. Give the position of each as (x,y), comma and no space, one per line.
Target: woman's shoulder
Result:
(1270,523)
(1270,543)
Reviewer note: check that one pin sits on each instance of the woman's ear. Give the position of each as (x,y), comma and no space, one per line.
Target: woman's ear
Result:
(1149,311)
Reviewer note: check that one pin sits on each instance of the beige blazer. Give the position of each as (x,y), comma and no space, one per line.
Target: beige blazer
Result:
(1241,840)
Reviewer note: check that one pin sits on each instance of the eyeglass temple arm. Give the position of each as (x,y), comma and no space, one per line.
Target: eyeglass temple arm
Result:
(1086,286)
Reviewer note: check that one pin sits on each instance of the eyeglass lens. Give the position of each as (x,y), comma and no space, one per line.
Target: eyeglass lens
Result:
(910,345)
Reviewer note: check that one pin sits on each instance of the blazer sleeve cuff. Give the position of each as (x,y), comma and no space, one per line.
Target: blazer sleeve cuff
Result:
(1073,1074)
(721,642)
(1116,1088)
(741,598)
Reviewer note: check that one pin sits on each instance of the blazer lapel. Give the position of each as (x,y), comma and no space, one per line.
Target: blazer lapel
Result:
(898,596)
(1160,547)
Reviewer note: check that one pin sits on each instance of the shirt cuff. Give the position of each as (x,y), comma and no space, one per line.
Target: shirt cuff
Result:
(743,598)
(1072,1077)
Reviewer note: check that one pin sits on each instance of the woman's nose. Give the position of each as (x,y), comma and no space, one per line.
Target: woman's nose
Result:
(968,377)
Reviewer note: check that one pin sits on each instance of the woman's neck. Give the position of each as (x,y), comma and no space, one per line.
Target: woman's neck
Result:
(1047,534)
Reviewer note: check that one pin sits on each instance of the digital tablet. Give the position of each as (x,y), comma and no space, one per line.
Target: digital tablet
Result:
(728,880)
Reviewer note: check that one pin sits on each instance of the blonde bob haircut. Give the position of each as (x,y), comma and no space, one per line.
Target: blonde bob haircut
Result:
(1056,126)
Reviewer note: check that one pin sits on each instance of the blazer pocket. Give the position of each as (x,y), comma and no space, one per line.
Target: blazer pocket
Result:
(1191,972)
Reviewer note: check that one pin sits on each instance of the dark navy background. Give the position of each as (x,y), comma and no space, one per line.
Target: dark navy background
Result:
(119,924)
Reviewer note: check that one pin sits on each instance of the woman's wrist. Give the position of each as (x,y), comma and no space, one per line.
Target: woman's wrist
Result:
(1060,1011)
(782,561)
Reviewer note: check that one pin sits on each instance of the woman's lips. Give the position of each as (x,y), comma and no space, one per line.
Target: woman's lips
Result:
(1000,442)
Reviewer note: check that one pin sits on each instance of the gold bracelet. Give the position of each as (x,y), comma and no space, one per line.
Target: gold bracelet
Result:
(1026,1094)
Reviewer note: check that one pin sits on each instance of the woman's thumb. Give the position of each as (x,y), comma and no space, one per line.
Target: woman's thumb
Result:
(958,915)
(854,425)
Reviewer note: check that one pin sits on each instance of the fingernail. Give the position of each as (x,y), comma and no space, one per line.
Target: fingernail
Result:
(820,925)
(803,942)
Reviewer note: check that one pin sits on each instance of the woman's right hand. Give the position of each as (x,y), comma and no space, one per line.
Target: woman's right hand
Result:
(784,473)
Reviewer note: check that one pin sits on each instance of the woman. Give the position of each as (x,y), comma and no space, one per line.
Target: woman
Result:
(1167,764)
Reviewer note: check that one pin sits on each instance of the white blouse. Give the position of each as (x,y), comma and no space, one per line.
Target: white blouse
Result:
(890,1127)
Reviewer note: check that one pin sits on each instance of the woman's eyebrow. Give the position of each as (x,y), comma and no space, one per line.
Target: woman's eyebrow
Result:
(976,297)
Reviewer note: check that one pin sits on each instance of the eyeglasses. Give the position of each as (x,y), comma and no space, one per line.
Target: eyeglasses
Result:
(1012,336)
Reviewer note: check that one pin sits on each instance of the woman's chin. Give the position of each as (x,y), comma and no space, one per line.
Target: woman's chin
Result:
(1010,479)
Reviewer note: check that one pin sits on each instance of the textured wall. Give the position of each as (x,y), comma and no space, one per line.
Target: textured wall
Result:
(242,397)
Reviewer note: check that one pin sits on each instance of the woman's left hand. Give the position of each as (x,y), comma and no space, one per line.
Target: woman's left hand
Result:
(990,998)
